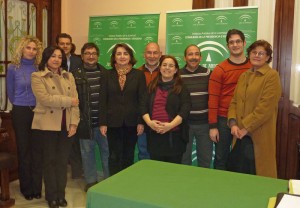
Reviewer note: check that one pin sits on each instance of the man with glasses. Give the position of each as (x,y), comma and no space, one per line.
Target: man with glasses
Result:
(88,83)
(64,41)
(222,83)
(152,55)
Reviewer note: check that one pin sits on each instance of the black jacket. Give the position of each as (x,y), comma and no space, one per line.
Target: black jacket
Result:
(75,62)
(118,108)
(177,104)
(84,129)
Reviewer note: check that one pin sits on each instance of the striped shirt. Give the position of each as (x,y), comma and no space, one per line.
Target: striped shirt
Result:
(197,84)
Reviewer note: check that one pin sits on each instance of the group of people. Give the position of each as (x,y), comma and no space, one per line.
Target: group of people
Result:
(65,105)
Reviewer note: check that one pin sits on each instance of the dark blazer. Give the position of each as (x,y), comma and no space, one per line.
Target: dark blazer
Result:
(75,62)
(121,107)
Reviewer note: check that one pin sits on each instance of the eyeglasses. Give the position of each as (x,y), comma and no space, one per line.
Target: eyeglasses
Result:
(90,54)
(232,42)
(256,53)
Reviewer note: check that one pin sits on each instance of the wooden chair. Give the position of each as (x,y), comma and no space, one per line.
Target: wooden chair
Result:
(6,162)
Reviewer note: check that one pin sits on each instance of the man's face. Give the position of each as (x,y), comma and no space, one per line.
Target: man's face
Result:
(90,56)
(152,54)
(236,45)
(192,58)
(65,44)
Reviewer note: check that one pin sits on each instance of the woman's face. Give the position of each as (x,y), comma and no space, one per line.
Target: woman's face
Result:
(30,51)
(167,69)
(55,60)
(122,57)
(258,57)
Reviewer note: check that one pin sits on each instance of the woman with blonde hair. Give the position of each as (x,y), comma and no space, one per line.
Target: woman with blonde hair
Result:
(25,61)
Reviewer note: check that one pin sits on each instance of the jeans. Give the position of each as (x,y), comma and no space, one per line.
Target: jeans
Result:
(142,146)
(222,148)
(204,146)
(87,147)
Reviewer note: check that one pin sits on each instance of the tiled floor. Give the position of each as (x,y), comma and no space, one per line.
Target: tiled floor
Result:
(75,195)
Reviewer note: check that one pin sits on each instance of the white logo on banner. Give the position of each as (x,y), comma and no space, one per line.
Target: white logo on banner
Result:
(176,40)
(97,24)
(177,21)
(96,40)
(198,20)
(131,23)
(114,24)
(212,46)
(245,19)
(148,39)
(149,22)
(221,19)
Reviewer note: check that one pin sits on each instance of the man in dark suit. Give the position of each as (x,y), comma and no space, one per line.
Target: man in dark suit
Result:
(64,41)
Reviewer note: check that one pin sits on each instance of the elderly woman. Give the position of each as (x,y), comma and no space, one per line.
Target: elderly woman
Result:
(25,61)
(55,120)
(123,88)
(165,111)
(253,109)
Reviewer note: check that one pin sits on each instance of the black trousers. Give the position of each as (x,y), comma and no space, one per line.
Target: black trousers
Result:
(75,158)
(121,142)
(56,150)
(29,151)
(167,158)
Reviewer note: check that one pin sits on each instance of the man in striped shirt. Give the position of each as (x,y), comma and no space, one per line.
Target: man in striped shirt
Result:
(222,83)
(196,79)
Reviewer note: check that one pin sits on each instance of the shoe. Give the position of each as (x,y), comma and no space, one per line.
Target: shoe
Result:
(37,196)
(89,185)
(53,204)
(28,197)
(62,202)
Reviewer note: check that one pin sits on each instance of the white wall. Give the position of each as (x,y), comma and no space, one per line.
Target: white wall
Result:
(75,14)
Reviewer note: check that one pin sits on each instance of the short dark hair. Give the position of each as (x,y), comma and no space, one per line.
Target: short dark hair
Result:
(62,35)
(90,45)
(189,47)
(265,44)
(235,32)
(127,48)
(47,53)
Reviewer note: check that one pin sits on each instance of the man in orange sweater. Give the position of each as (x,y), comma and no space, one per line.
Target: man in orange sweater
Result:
(222,83)
(152,55)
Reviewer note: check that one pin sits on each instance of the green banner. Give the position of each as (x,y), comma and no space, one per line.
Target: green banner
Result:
(207,29)
(134,30)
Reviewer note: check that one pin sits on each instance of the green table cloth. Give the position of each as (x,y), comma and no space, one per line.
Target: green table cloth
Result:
(151,183)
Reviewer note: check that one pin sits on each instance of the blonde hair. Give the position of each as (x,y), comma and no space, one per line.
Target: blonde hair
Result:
(23,42)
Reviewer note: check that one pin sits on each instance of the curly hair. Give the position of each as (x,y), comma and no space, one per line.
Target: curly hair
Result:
(23,42)
(263,43)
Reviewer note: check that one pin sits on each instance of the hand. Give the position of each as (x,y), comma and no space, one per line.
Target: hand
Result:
(72,130)
(103,130)
(243,132)
(140,129)
(75,102)
(154,124)
(214,135)
(164,127)
(235,131)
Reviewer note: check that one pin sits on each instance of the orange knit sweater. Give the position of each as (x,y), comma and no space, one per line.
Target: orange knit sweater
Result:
(222,83)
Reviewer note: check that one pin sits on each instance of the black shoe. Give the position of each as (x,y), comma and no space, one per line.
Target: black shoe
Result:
(53,204)
(62,202)
(37,196)
(28,197)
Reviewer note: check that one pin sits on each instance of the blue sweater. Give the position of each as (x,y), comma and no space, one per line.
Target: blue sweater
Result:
(19,83)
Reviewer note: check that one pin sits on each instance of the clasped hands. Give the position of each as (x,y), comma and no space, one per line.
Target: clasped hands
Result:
(160,127)
(237,132)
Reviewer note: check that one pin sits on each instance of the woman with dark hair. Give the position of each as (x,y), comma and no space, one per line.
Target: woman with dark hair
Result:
(165,110)
(253,108)
(25,61)
(55,120)
(123,88)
